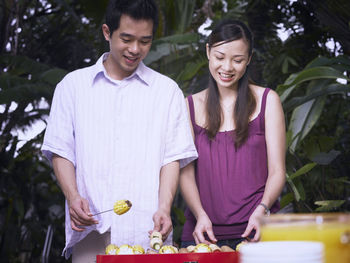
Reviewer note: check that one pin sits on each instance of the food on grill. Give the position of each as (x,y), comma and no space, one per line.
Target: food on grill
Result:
(156,234)
(226,249)
(111,249)
(168,250)
(214,248)
(151,251)
(190,248)
(183,250)
(238,247)
(202,248)
(157,247)
(125,250)
(122,206)
(156,241)
(138,249)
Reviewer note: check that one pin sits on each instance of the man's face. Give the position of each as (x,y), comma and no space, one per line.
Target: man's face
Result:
(129,45)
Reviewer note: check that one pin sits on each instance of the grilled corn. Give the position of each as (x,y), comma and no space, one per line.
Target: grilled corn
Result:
(214,248)
(168,250)
(125,250)
(156,234)
(138,249)
(111,249)
(121,206)
(200,248)
(190,248)
(238,247)
(156,243)
(156,240)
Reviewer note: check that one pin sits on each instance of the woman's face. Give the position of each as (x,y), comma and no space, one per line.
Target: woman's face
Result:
(228,62)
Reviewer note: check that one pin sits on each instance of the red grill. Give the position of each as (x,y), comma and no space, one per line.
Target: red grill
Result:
(218,257)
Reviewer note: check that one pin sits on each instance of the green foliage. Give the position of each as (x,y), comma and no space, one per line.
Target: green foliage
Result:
(315,85)
(29,203)
(30,199)
(328,205)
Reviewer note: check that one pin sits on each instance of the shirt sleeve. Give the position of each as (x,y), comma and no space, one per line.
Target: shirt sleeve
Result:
(59,135)
(179,142)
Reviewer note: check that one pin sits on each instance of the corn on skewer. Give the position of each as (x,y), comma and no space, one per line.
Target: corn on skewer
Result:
(156,241)
(120,207)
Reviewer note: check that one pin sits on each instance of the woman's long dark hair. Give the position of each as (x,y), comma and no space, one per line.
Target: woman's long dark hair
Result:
(227,31)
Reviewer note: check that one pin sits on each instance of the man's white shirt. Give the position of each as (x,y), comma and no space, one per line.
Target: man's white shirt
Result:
(118,135)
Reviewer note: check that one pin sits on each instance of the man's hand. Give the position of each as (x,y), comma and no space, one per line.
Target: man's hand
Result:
(204,225)
(78,207)
(162,223)
(168,182)
(80,214)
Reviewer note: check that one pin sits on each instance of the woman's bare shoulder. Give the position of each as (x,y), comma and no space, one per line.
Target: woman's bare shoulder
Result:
(273,101)
(200,98)
(258,91)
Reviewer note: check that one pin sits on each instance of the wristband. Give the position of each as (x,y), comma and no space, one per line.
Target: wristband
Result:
(267,210)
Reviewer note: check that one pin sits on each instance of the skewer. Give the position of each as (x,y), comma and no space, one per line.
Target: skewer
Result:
(120,207)
(102,212)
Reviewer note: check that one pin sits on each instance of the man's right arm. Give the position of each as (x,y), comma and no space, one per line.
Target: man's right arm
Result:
(79,210)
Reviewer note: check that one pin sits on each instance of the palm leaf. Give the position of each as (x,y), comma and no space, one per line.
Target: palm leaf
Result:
(328,205)
(306,75)
(330,89)
(303,118)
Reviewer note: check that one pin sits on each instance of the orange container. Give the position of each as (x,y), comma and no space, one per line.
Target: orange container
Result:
(218,257)
(332,229)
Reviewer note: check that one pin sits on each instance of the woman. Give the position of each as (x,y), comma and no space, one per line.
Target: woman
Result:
(239,133)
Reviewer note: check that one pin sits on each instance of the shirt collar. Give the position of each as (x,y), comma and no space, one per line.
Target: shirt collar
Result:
(142,72)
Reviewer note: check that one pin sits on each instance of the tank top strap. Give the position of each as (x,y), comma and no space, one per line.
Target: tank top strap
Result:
(262,109)
(191,107)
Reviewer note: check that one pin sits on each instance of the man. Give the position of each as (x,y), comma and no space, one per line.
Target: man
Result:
(118,130)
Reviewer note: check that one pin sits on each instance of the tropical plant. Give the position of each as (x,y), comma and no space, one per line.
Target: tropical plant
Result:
(30,199)
(316,186)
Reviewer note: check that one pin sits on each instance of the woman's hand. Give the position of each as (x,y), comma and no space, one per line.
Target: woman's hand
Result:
(203,225)
(254,224)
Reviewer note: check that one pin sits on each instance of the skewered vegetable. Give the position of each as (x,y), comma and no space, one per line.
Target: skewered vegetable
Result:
(168,250)
(202,248)
(111,249)
(238,247)
(125,250)
(156,240)
(191,248)
(121,207)
(214,248)
(138,249)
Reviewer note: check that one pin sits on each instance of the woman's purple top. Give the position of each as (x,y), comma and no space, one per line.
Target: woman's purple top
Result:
(231,182)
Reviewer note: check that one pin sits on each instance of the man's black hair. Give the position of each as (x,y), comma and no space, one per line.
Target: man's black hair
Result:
(136,9)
